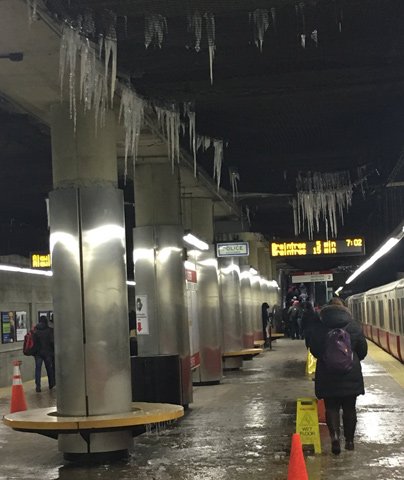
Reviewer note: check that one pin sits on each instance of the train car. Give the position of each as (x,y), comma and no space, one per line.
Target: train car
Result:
(381,312)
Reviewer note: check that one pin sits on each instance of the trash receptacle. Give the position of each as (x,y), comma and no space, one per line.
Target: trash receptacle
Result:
(156,379)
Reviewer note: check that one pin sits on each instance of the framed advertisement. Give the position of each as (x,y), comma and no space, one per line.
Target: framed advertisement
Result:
(8,327)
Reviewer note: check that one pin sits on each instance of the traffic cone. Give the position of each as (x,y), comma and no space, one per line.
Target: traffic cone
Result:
(18,403)
(321,411)
(297,466)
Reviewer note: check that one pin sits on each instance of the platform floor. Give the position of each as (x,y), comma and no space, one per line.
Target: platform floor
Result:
(238,430)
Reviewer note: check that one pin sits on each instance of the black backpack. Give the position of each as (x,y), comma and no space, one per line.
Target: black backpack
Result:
(338,355)
(30,346)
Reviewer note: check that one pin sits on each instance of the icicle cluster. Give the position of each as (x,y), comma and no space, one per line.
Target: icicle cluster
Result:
(206,142)
(169,121)
(190,115)
(195,28)
(155,26)
(260,20)
(132,111)
(93,82)
(322,196)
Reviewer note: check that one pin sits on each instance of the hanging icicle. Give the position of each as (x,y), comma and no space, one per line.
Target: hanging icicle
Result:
(170,124)
(314,37)
(217,161)
(247,211)
(32,6)
(273,15)
(195,28)
(303,40)
(295,217)
(321,196)
(211,34)
(260,19)
(155,27)
(93,84)
(111,53)
(132,111)
(190,115)
(234,179)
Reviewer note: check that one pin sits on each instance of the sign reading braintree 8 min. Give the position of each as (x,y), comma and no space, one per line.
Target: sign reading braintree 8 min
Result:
(347,246)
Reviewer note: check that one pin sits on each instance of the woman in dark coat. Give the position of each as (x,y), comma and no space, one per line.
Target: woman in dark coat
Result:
(265,321)
(339,390)
(45,354)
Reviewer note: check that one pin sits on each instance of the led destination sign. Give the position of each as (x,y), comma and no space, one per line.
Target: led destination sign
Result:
(347,246)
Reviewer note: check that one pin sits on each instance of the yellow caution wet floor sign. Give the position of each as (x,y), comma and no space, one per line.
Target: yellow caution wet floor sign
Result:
(311,363)
(307,423)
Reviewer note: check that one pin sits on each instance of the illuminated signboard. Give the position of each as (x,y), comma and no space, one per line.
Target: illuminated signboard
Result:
(40,260)
(234,249)
(347,246)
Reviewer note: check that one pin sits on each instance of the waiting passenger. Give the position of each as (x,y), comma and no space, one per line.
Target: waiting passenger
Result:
(294,320)
(265,321)
(310,319)
(339,390)
(44,335)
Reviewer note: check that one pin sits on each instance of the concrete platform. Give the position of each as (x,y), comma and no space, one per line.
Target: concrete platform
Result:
(238,430)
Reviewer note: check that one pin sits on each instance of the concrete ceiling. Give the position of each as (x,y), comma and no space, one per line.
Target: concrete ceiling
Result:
(335,105)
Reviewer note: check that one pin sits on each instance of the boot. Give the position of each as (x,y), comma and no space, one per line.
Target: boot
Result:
(349,421)
(333,424)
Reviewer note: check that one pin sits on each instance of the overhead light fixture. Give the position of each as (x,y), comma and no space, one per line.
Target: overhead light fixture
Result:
(195,241)
(338,290)
(13,57)
(391,242)
(253,271)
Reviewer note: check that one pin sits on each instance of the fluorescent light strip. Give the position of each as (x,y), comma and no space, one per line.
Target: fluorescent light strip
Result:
(338,290)
(391,242)
(195,242)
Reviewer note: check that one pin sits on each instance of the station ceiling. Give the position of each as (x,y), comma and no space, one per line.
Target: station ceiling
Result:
(325,94)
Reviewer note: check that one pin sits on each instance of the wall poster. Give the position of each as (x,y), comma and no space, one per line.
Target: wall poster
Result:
(142,316)
(7,327)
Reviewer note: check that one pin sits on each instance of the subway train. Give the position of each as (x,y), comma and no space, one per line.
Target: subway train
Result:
(381,312)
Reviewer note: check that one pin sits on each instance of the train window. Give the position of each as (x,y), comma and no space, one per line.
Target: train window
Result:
(401,315)
(373,313)
(391,316)
(381,314)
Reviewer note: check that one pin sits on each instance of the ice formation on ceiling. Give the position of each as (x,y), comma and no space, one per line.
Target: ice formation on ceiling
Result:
(194,26)
(154,29)
(169,121)
(132,111)
(204,143)
(234,179)
(191,116)
(260,20)
(32,6)
(321,196)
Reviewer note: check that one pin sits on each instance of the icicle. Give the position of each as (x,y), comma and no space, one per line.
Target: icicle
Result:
(273,15)
(234,178)
(303,40)
(70,46)
(169,121)
(247,211)
(195,28)
(155,26)
(314,37)
(132,111)
(192,132)
(111,52)
(211,33)
(295,217)
(260,19)
(32,6)
(217,161)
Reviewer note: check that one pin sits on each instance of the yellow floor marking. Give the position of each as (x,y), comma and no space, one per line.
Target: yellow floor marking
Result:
(393,366)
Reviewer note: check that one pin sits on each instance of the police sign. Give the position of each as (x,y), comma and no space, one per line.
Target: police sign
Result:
(233,249)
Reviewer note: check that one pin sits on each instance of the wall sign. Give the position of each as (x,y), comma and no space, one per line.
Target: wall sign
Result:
(233,249)
(347,246)
(142,316)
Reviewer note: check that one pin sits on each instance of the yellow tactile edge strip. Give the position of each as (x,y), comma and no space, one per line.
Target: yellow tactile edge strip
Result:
(393,366)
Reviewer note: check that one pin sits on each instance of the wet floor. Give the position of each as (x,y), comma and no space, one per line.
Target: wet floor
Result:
(238,430)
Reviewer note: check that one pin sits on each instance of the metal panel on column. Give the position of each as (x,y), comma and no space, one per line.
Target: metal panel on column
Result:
(67,302)
(246,307)
(105,302)
(210,331)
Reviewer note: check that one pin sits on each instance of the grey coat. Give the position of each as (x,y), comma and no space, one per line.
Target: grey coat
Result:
(338,384)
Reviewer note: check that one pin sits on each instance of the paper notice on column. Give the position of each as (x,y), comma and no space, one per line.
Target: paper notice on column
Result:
(142,317)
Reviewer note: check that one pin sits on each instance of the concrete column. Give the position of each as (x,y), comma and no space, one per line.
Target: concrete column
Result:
(89,278)
(198,218)
(246,307)
(159,264)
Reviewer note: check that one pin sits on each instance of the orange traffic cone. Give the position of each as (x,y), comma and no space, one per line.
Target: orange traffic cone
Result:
(321,411)
(18,403)
(297,466)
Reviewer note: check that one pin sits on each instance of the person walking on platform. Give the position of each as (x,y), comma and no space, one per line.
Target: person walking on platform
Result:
(44,337)
(338,388)
(265,322)
(310,319)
